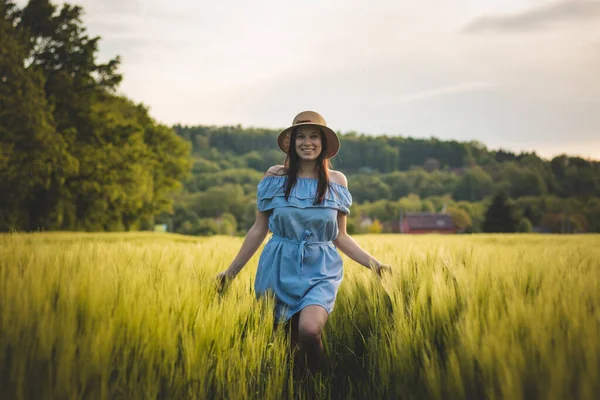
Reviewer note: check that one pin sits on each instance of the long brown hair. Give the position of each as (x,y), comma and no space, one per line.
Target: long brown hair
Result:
(292,162)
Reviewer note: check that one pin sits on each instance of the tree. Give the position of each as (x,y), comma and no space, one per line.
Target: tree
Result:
(524,181)
(169,161)
(593,212)
(227,224)
(581,180)
(33,157)
(524,225)
(398,183)
(74,155)
(370,188)
(376,227)
(461,219)
(501,216)
(474,185)
(564,222)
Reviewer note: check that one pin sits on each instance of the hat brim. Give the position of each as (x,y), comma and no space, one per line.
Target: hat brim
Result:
(333,141)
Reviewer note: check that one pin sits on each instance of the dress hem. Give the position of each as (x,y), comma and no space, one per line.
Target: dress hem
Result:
(302,307)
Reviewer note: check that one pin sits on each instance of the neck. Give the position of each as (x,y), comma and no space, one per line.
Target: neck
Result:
(307,169)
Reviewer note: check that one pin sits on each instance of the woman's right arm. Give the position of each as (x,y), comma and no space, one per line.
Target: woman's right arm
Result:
(254,238)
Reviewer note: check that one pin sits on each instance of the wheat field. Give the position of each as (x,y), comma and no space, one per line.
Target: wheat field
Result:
(112,315)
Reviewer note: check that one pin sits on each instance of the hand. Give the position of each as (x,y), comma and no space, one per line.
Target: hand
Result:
(383,269)
(223,280)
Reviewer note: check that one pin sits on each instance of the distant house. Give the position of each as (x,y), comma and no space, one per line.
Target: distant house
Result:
(366,222)
(424,222)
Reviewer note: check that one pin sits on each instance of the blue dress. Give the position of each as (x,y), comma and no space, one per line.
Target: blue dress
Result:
(300,265)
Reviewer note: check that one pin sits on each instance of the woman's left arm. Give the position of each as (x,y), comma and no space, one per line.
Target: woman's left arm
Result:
(345,243)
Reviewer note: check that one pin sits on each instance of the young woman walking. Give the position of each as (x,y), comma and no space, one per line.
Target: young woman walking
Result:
(304,204)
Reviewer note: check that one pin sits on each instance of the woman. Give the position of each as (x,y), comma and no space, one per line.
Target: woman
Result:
(304,204)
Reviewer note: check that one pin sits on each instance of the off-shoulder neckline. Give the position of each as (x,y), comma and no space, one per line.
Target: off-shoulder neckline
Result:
(304,178)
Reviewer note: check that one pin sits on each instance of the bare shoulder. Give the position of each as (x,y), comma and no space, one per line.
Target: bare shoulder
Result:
(338,177)
(275,170)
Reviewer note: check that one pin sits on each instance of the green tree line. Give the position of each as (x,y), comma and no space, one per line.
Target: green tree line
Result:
(390,174)
(74,155)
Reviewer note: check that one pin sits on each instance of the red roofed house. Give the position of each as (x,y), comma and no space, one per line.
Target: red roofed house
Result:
(425,222)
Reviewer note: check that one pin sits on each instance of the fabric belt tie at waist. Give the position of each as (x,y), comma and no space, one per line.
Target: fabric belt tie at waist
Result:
(301,245)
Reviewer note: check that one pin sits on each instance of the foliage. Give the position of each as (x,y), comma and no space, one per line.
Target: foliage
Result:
(474,185)
(375,227)
(524,226)
(74,155)
(501,216)
(460,217)
(435,173)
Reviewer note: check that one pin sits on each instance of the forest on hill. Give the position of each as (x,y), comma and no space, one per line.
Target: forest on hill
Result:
(387,175)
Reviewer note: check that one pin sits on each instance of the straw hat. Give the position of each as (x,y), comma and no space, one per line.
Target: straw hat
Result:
(310,118)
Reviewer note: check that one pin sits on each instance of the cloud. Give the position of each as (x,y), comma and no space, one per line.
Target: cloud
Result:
(447,90)
(537,18)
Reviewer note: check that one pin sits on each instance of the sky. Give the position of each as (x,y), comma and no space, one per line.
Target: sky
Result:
(517,75)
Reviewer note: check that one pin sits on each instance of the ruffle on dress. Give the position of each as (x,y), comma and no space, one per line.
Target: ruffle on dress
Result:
(271,194)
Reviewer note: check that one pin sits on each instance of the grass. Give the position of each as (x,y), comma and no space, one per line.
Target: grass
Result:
(129,316)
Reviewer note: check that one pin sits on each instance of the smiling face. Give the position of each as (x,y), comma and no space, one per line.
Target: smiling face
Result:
(308,142)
